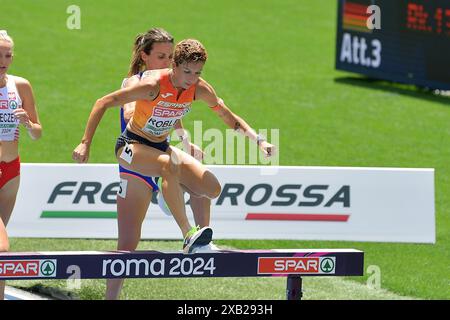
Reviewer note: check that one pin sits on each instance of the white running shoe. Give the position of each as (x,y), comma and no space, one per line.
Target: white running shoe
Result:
(210,247)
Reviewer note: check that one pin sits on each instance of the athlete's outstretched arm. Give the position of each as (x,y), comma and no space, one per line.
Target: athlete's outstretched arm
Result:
(128,108)
(206,93)
(145,90)
(27,115)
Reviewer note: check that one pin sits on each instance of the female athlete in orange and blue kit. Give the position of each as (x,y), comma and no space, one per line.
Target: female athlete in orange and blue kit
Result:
(152,50)
(162,98)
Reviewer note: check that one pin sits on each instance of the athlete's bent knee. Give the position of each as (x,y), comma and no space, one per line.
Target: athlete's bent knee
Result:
(217,190)
(214,187)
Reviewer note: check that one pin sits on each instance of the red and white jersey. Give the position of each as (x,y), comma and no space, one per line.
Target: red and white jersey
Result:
(9,101)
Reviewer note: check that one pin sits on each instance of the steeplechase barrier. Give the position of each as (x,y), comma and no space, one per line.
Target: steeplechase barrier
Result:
(290,263)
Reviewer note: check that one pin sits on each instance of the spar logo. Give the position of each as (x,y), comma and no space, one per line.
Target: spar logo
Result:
(28,268)
(3,104)
(12,104)
(296,265)
(169,112)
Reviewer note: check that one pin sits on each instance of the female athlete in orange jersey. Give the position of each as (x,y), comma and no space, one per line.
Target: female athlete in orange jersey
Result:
(162,98)
(152,50)
(17,106)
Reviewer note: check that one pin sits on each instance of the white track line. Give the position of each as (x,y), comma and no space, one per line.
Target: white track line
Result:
(17,294)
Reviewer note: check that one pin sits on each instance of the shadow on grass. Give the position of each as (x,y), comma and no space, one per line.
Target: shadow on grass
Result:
(413,91)
(51,292)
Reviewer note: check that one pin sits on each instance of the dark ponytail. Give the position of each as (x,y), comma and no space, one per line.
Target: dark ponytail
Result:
(144,42)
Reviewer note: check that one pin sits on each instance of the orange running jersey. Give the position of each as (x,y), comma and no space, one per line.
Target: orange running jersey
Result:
(154,119)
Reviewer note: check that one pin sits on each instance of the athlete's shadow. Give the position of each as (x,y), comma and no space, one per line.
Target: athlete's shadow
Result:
(403,89)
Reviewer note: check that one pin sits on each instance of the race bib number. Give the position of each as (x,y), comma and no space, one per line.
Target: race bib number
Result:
(8,121)
(127,154)
(122,188)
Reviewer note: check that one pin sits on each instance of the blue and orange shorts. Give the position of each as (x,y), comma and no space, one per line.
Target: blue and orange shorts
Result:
(130,137)
(151,182)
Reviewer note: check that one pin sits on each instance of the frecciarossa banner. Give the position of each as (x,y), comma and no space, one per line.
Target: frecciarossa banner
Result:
(256,202)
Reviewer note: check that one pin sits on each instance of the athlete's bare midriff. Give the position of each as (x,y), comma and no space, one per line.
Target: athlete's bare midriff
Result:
(9,150)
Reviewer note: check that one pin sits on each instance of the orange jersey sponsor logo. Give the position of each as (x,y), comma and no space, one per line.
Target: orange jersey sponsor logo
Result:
(157,117)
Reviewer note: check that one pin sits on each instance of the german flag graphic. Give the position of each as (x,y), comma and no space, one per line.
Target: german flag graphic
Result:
(355,15)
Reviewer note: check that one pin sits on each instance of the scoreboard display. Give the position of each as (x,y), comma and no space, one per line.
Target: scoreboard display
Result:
(405,41)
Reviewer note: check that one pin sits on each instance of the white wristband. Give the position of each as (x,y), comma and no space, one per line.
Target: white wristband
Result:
(259,139)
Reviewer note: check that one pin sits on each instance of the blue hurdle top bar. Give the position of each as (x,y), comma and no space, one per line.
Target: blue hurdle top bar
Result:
(157,264)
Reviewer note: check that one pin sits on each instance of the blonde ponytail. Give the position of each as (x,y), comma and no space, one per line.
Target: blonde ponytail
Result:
(4,36)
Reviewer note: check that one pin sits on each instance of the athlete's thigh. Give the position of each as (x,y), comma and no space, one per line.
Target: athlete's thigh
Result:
(8,194)
(4,243)
(189,165)
(193,174)
(143,159)
(132,207)
(135,198)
